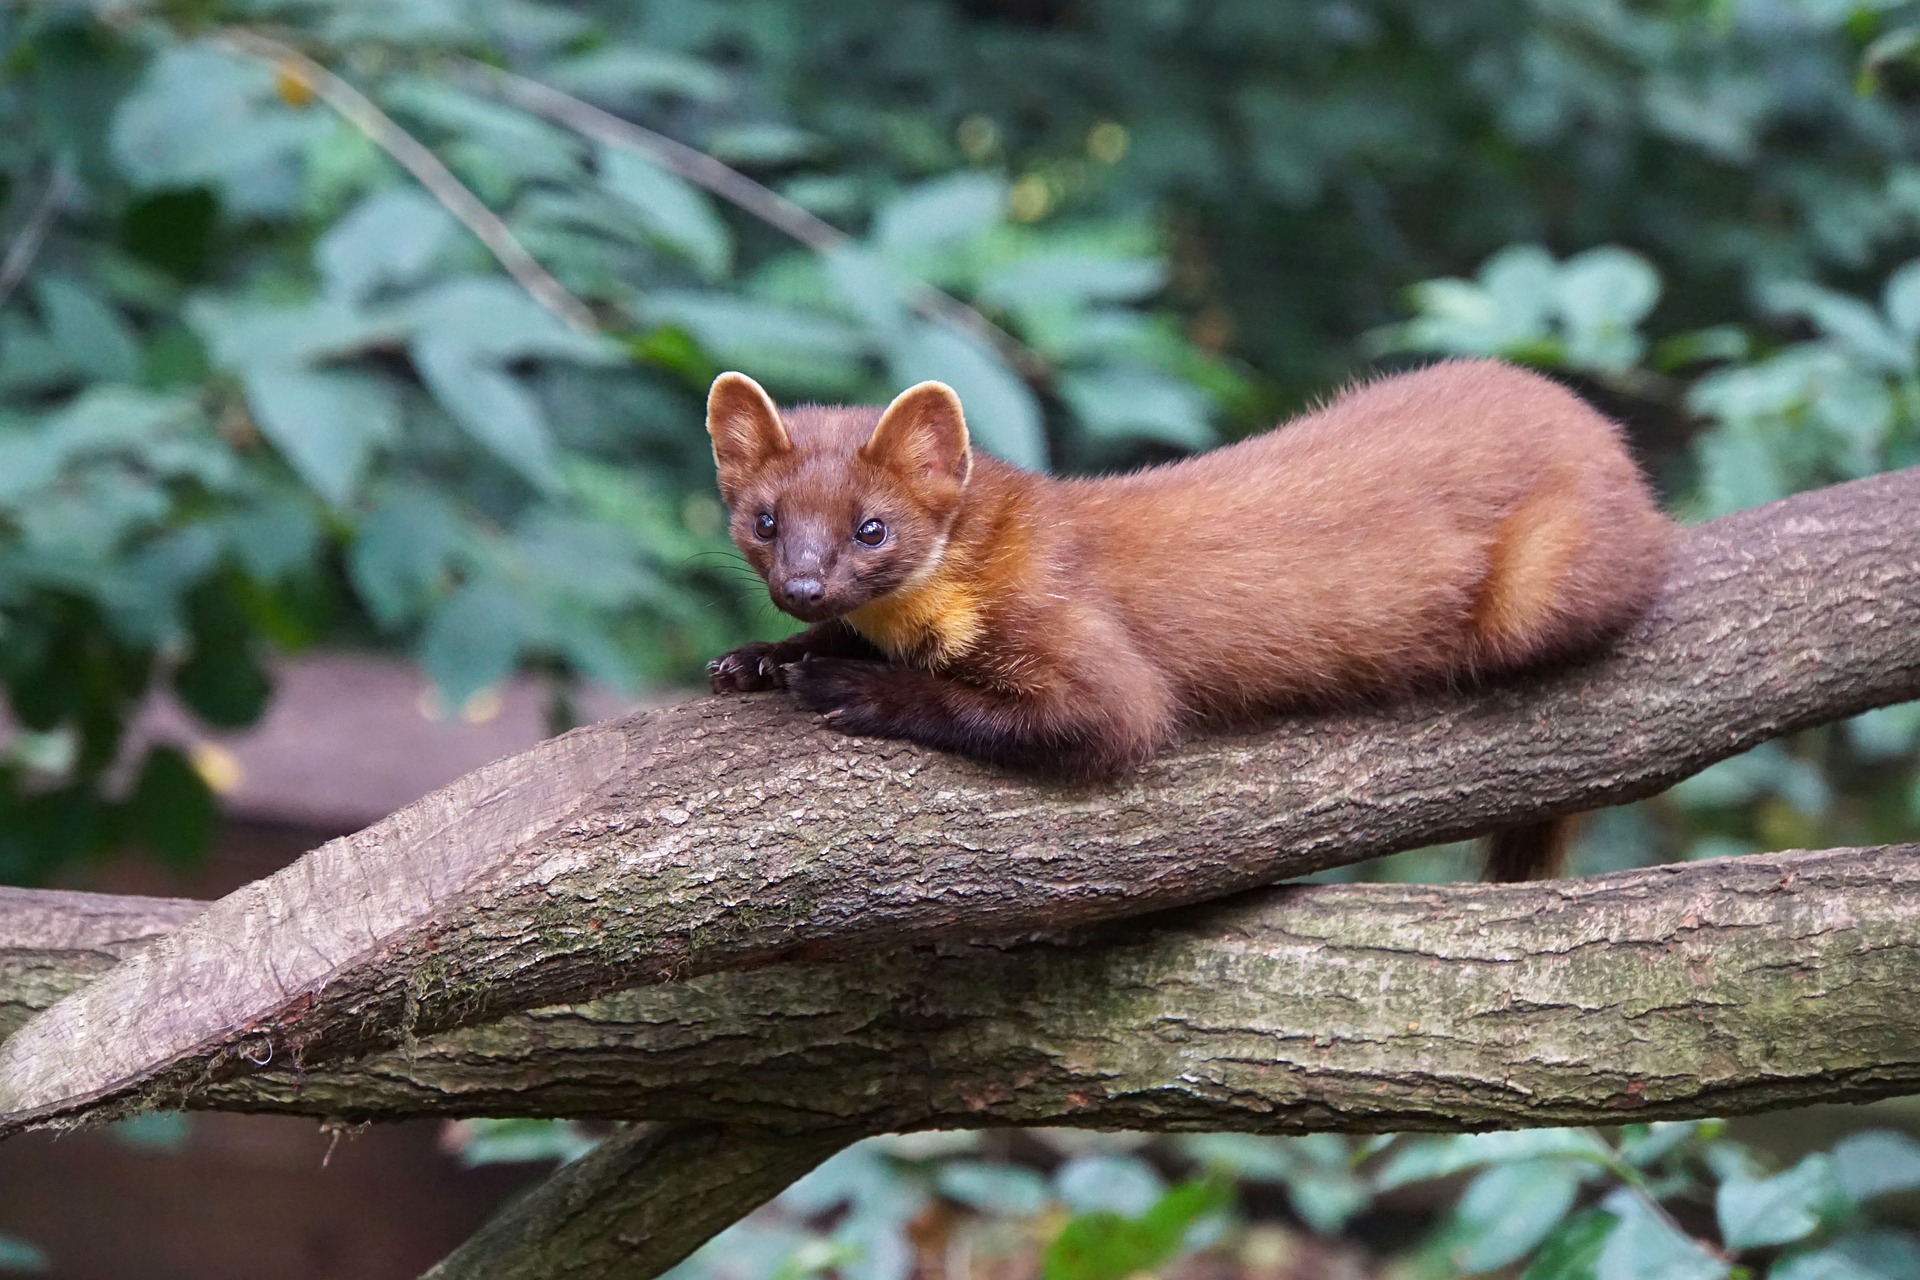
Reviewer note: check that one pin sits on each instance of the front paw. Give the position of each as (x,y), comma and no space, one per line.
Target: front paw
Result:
(748,669)
(846,691)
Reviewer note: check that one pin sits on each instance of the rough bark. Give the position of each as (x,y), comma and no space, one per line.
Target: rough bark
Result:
(726,832)
(1702,989)
(53,942)
(638,1203)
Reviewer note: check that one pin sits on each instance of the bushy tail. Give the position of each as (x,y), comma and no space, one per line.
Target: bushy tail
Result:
(1534,851)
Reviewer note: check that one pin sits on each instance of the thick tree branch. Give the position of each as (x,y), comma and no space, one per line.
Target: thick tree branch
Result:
(638,1203)
(1707,988)
(53,942)
(727,832)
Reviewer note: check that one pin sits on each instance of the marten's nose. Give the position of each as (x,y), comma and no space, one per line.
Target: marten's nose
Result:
(804,590)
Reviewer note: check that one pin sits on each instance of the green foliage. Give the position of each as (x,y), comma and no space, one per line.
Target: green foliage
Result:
(158,1132)
(260,389)
(518,1141)
(21,1255)
(1104,1245)
(1678,1201)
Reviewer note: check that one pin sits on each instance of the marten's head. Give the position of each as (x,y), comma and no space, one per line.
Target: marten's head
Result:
(838,507)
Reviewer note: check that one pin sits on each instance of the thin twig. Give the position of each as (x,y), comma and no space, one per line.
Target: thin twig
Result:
(738,189)
(33,233)
(413,155)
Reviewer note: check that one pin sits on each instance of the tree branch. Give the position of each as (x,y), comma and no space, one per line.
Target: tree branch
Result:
(726,832)
(1708,988)
(744,193)
(53,941)
(638,1203)
(33,232)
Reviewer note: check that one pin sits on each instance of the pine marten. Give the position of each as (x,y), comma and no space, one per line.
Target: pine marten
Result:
(1448,524)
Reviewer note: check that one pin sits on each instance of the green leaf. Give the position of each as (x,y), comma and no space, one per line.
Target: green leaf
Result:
(1166,1225)
(1523,288)
(1326,1199)
(495,135)
(590,560)
(1607,288)
(1121,1184)
(1901,298)
(201,117)
(1877,1254)
(1427,1158)
(275,536)
(624,73)
(1778,1210)
(860,1175)
(156,1131)
(1004,1190)
(1050,279)
(1643,1246)
(403,553)
(1738,469)
(222,681)
(87,331)
(763,143)
(494,317)
(489,404)
(249,335)
(1879,1161)
(1003,417)
(1827,1264)
(1572,1252)
(1847,320)
(390,238)
(1248,1156)
(1883,734)
(871,287)
(1132,400)
(1720,342)
(1604,294)
(20,1255)
(475,639)
(521,1140)
(678,214)
(1642,1145)
(1510,1208)
(940,211)
(325,423)
(736,329)
(1111,1246)
(172,810)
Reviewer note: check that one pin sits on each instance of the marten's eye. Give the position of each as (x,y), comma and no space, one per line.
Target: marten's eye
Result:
(870,534)
(764,527)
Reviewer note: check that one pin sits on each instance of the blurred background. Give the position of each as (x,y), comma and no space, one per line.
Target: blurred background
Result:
(351,364)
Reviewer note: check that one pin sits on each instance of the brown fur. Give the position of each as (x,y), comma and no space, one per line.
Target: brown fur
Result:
(1447,524)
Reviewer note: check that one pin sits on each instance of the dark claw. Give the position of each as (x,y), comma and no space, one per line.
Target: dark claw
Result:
(748,669)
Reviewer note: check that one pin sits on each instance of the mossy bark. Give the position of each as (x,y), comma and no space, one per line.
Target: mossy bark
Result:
(1703,989)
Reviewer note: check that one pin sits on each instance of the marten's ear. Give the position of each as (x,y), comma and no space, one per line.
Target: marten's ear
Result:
(923,434)
(745,427)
